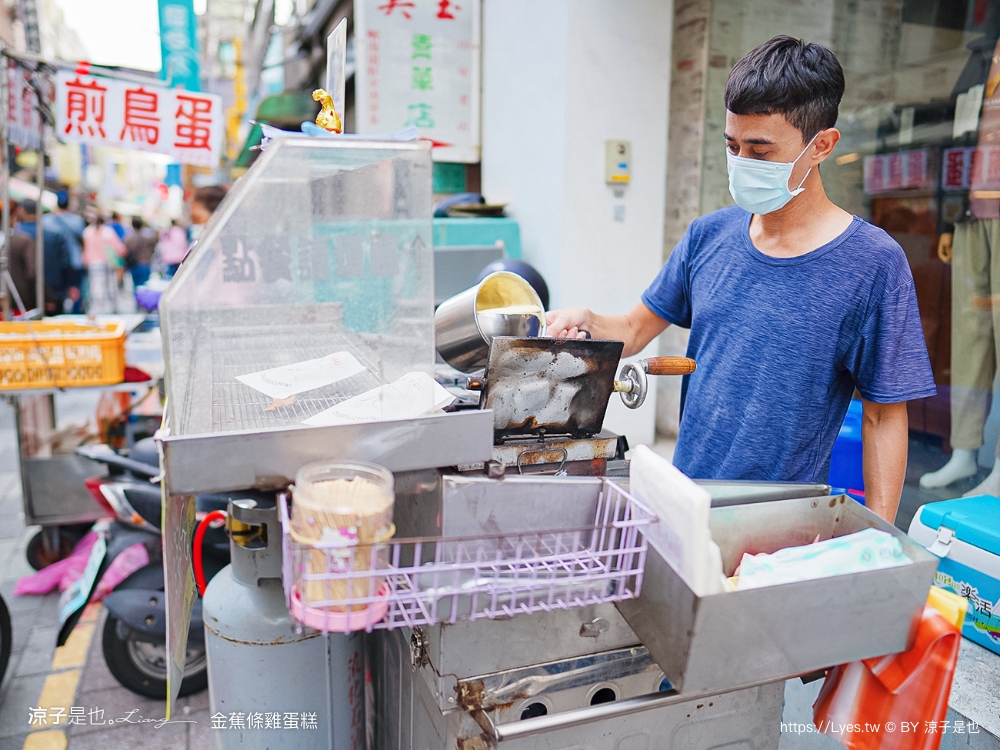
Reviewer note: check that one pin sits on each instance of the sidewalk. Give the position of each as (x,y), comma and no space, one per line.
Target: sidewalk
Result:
(73,679)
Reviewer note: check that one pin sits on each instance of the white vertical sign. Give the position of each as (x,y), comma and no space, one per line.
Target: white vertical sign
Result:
(418,65)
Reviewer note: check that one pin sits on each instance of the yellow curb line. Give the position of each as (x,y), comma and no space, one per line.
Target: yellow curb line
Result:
(59,688)
(54,739)
(73,653)
(90,612)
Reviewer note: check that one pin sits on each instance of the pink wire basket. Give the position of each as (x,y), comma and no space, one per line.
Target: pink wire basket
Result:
(410,582)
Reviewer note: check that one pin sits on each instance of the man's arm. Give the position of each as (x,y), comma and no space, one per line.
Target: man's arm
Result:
(884,442)
(636,328)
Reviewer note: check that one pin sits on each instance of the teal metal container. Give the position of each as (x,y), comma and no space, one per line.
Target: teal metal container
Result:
(480,232)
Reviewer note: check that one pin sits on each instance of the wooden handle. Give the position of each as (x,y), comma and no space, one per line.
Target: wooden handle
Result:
(669,366)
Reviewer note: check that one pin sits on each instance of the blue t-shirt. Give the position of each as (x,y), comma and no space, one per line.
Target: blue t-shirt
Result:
(781,344)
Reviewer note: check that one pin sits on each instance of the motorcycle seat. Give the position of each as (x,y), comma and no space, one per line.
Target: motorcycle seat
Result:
(144,451)
(146,502)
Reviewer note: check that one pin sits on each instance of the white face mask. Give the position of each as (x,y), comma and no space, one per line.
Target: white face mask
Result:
(761,187)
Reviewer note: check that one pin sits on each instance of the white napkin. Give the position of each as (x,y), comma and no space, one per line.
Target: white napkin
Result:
(413,395)
(287,380)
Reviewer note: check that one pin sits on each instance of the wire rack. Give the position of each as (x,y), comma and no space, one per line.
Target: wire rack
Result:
(410,582)
(237,406)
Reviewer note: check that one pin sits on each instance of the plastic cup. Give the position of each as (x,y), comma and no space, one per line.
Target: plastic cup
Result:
(342,517)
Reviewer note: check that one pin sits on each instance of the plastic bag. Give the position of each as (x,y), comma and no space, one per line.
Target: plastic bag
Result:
(870,549)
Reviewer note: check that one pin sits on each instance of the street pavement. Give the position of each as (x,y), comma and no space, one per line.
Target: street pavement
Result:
(44,685)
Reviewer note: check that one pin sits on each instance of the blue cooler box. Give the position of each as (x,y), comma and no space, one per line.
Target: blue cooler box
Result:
(965,535)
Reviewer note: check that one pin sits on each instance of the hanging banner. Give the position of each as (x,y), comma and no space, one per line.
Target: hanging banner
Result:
(179,44)
(107,112)
(24,118)
(418,65)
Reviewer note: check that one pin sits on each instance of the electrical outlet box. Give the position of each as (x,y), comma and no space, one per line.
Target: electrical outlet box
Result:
(618,162)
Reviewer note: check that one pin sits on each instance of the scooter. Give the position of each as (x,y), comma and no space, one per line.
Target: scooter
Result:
(134,636)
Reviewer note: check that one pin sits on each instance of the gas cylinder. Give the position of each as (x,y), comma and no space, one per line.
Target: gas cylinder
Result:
(273,684)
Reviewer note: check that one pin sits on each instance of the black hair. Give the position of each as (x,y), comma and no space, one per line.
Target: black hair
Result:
(209,196)
(787,76)
(137,223)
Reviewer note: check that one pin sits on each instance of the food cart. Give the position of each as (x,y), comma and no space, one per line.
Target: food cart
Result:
(70,363)
(524,610)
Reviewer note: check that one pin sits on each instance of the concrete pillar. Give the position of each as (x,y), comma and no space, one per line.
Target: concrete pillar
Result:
(688,72)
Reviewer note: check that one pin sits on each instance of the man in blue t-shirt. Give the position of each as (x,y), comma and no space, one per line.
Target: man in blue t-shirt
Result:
(792,302)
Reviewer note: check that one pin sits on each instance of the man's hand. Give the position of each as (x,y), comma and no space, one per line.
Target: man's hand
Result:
(884,435)
(568,324)
(636,328)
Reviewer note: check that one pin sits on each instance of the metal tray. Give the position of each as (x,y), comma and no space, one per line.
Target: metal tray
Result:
(542,386)
(738,639)
(269,459)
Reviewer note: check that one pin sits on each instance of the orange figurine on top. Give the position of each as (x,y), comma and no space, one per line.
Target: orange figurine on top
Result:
(327,118)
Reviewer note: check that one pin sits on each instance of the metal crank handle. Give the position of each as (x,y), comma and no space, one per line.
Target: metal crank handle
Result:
(632,383)
(668,365)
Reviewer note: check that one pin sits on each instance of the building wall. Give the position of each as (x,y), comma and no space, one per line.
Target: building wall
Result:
(525,66)
(58,39)
(573,75)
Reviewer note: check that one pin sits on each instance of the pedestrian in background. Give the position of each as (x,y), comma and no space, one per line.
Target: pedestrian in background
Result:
(173,246)
(58,266)
(140,245)
(21,263)
(204,202)
(117,226)
(71,225)
(103,252)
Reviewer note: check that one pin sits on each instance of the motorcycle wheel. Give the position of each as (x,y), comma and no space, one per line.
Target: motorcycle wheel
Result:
(38,557)
(141,666)
(6,635)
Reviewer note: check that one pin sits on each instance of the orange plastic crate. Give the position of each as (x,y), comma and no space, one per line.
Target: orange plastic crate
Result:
(49,354)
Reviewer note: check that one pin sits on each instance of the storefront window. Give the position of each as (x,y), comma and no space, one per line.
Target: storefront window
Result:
(919,157)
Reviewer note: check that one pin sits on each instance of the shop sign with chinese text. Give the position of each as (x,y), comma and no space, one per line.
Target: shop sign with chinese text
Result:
(955,168)
(984,172)
(898,171)
(102,111)
(24,118)
(418,65)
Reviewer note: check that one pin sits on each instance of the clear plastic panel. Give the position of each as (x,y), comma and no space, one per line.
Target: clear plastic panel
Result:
(322,248)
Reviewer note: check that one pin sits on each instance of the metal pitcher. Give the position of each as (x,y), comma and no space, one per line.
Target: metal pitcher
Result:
(502,304)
